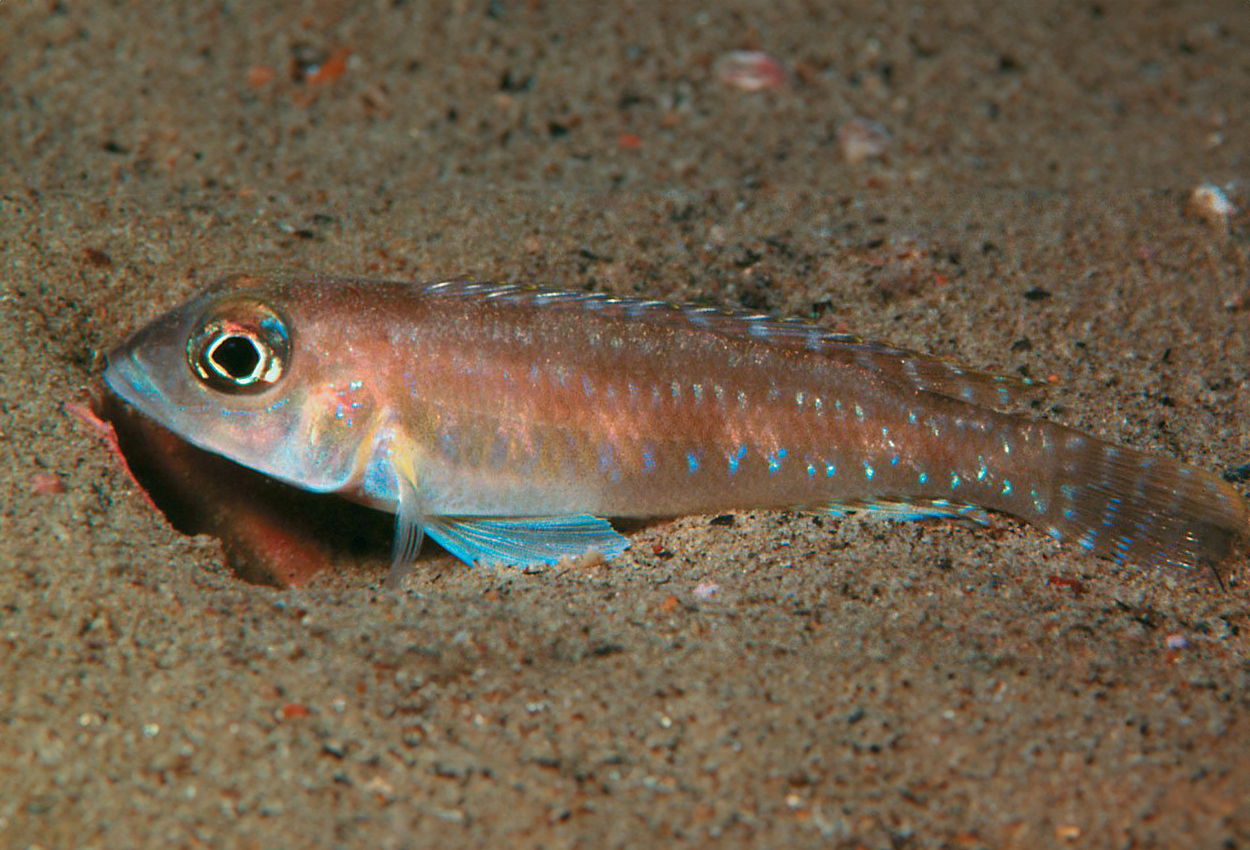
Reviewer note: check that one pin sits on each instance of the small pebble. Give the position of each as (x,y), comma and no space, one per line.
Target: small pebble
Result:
(46,484)
(861,139)
(705,589)
(1210,204)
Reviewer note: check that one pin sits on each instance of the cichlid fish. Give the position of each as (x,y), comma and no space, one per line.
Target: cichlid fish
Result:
(507,422)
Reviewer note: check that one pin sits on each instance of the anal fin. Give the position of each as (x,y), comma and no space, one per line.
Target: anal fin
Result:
(912,509)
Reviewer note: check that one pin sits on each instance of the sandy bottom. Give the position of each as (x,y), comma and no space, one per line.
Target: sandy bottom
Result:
(779,680)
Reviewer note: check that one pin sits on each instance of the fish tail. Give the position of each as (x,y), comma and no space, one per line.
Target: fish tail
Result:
(1131,506)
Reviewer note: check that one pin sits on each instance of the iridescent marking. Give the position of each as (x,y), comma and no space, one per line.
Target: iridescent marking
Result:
(1006,447)
(736,459)
(924,478)
(1068,491)
(692,462)
(894,461)
(675,386)
(819,404)
(831,469)
(697,389)
(648,459)
(911,417)
(869,472)
(355,385)
(1087,539)
(719,392)
(742,399)
(982,469)
(799,398)
(1039,503)
(837,405)
(859,412)
(774,461)
(885,432)
(811,469)
(954,480)
(1006,487)
(588,386)
(535,374)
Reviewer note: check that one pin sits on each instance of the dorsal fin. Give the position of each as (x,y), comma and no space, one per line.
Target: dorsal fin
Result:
(901,366)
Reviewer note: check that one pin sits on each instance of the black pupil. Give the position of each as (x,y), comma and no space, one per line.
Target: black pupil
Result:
(237,357)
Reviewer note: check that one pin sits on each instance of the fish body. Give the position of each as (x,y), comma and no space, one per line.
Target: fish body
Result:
(508,422)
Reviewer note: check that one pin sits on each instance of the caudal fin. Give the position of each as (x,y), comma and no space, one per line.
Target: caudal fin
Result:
(1138,508)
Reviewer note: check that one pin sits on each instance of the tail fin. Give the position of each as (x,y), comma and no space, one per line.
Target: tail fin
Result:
(1140,508)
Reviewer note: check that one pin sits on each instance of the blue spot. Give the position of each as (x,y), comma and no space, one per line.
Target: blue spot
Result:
(954,480)
(1068,491)
(885,432)
(355,385)
(736,459)
(607,457)
(811,469)
(774,461)
(924,478)
(911,416)
(869,472)
(588,386)
(449,443)
(648,460)
(339,411)
(692,462)
(831,469)
(1006,487)
(894,461)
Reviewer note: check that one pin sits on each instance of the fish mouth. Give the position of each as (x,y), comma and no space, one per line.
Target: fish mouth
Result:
(128,378)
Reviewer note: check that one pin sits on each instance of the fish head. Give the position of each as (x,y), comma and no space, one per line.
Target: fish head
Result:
(247,370)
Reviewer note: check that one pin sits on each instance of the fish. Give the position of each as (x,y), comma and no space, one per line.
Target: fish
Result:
(511,423)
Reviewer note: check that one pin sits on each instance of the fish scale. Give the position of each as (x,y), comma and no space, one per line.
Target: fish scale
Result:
(508,421)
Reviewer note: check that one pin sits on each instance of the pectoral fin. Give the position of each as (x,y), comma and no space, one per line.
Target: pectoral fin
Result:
(524,541)
(409,532)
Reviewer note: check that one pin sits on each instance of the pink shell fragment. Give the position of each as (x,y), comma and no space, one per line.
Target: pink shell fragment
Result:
(750,70)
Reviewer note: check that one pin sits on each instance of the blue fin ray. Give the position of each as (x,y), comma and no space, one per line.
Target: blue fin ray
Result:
(524,541)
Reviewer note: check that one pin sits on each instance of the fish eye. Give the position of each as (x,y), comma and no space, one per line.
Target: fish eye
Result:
(241,347)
